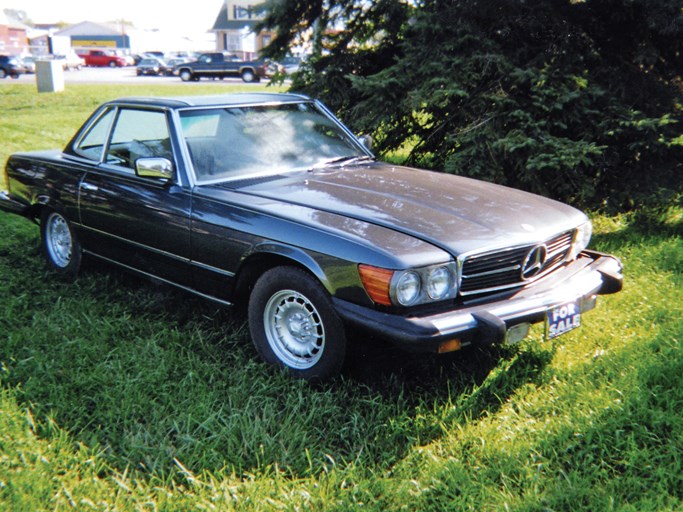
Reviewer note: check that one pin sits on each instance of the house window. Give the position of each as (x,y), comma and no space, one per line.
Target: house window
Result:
(247,12)
(233,42)
(242,13)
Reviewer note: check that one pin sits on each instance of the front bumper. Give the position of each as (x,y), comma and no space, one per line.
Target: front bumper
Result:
(487,320)
(8,204)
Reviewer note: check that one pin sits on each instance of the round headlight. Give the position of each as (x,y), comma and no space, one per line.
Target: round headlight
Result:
(408,288)
(582,238)
(584,235)
(438,283)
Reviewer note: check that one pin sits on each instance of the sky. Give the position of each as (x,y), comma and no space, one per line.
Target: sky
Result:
(187,18)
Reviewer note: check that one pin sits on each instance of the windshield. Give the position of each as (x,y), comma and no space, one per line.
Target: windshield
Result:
(239,142)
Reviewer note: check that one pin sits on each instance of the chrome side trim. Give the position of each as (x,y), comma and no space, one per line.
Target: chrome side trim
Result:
(153,276)
(210,268)
(154,250)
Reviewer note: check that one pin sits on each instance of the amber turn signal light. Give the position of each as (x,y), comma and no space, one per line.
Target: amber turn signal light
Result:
(449,346)
(376,282)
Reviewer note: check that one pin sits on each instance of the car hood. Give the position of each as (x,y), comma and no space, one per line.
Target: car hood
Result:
(454,213)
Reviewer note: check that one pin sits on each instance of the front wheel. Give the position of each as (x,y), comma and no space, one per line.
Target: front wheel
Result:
(185,75)
(59,244)
(294,325)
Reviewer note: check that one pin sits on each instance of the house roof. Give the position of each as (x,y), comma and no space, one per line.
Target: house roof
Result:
(10,21)
(89,28)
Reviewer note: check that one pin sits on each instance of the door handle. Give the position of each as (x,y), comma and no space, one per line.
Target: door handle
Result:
(89,187)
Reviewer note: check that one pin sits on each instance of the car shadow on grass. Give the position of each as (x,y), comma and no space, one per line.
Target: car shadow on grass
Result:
(491,372)
(153,375)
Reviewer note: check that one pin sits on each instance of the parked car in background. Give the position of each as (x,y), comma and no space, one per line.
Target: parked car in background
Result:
(127,57)
(103,58)
(11,66)
(29,63)
(153,66)
(268,200)
(138,57)
(70,61)
(289,65)
(220,65)
(174,62)
(157,54)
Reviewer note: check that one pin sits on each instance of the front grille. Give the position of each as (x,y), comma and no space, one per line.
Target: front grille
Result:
(501,269)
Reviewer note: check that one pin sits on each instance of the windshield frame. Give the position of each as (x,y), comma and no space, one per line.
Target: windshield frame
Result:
(362,152)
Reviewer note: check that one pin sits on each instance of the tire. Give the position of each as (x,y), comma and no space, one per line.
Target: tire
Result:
(294,325)
(185,75)
(112,64)
(248,76)
(59,244)
(3,73)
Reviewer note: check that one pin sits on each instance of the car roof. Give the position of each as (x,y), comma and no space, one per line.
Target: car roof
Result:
(221,100)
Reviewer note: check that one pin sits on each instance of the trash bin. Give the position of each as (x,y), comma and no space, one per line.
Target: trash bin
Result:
(49,76)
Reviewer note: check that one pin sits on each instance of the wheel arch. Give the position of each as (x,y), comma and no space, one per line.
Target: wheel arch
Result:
(186,69)
(42,203)
(252,70)
(268,256)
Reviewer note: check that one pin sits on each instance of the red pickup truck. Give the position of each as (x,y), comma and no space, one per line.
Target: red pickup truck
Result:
(102,58)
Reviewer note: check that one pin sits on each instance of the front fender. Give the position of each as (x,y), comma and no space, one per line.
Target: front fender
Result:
(300,257)
(339,277)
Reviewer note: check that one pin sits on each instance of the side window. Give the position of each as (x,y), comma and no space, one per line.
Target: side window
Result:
(199,131)
(92,144)
(138,134)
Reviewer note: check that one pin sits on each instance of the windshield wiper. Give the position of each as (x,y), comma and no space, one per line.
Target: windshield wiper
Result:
(341,161)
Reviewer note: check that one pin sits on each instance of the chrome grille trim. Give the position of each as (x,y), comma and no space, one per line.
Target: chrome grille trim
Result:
(501,269)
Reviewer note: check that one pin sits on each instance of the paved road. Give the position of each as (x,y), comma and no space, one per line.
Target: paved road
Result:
(109,76)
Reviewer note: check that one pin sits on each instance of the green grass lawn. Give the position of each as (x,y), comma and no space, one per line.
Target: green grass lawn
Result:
(119,394)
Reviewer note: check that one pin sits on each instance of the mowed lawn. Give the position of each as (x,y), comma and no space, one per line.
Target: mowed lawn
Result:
(120,394)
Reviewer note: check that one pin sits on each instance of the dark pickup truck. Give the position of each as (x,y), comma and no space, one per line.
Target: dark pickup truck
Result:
(219,65)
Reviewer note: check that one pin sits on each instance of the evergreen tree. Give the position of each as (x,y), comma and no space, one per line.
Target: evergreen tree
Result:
(574,99)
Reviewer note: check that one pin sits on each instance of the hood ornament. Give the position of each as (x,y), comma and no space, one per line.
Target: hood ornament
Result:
(534,262)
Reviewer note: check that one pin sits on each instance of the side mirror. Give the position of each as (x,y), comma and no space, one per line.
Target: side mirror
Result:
(154,167)
(366,140)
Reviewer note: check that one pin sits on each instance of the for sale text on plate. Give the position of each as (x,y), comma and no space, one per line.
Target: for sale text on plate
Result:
(563,318)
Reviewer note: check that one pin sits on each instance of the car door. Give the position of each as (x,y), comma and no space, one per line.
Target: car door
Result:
(139,222)
(209,65)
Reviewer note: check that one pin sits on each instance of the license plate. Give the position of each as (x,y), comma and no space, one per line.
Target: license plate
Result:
(562,319)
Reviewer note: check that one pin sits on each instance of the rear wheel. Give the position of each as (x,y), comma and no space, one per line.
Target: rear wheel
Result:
(294,325)
(59,244)
(248,75)
(3,73)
